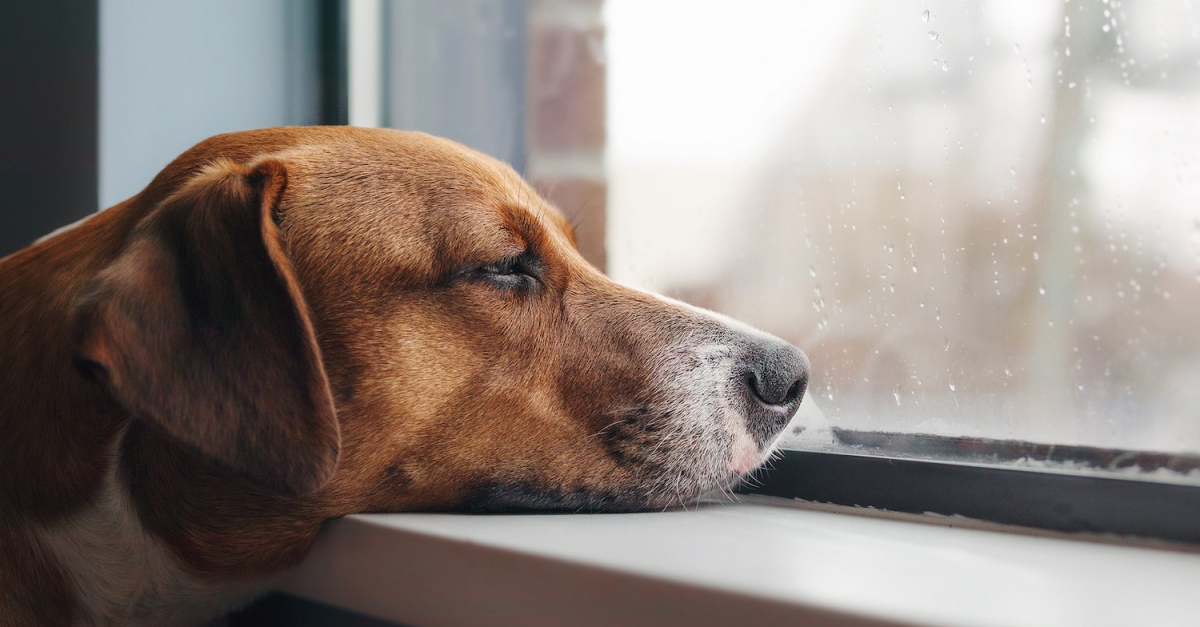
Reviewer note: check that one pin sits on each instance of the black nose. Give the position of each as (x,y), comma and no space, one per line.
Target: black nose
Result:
(775,374)
(778,375)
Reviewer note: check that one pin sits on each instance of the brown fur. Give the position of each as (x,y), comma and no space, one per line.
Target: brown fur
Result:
(290,325)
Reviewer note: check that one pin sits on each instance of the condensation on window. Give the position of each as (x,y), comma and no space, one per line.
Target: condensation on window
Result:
(978,218)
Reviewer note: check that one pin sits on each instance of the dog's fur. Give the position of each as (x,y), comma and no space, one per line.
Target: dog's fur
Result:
(294,324)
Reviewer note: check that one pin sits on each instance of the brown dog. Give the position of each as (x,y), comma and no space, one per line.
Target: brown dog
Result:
(293,324)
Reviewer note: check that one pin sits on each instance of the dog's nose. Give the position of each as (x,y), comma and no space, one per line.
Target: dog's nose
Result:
(775,375)
(778,375)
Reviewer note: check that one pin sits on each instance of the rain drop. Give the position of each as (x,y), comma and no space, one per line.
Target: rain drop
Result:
(1042,290)
(933,36)
(925,17)
(812,271)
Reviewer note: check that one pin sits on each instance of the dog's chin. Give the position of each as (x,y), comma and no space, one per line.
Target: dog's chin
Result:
(707,481)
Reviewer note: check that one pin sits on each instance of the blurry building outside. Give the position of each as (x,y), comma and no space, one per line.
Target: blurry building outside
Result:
(978,217)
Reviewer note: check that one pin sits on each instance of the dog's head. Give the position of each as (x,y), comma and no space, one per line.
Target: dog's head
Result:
(402,322)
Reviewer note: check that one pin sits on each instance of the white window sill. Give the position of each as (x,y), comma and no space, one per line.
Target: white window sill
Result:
(744,563)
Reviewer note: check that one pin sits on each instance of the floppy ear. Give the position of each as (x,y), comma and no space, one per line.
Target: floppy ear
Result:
(200,328)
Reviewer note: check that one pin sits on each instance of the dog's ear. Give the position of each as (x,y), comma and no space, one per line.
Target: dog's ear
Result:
(200,327)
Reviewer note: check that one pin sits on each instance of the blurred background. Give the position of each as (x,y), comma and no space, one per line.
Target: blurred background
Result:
(978,217)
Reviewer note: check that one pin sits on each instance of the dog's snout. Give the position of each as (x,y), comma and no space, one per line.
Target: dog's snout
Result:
(778,375)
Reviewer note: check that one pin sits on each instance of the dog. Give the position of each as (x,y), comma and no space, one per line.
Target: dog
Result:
(290,325)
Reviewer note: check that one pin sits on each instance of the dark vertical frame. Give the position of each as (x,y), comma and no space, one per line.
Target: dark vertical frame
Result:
(332,37)
(48,116)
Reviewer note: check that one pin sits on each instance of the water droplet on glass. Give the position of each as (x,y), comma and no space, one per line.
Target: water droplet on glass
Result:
(944,68)
(952,388)
(896,394)
(933,36)
(1042,290)
(914,268)
(946,346)
(1007,372)
(1105,28)
(925,16)
(812,271)
(1035,255)
(1043,118)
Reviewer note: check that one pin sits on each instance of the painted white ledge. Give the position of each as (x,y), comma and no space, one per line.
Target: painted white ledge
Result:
(735,564)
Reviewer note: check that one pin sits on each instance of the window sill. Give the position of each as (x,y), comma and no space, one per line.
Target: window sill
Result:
(732,564)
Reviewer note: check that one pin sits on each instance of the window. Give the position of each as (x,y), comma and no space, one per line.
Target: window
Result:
(978,218)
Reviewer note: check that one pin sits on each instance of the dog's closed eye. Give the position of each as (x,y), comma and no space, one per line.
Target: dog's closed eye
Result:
(520,272)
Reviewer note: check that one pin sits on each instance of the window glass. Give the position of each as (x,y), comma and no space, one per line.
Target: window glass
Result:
(979,218)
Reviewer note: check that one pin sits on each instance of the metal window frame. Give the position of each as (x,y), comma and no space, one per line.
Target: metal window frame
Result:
(967,480)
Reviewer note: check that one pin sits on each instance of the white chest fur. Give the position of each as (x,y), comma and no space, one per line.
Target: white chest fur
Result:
(123,575)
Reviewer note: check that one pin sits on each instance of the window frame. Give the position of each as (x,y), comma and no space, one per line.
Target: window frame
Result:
(1076,501)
